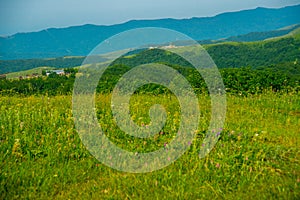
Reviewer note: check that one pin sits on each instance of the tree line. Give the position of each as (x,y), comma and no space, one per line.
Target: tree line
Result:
(242,81)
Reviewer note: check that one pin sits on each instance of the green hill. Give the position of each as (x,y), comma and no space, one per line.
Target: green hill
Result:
(255,54)
(230,54)
(225,54)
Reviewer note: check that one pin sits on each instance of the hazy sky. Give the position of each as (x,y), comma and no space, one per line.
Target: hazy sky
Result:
(33,15)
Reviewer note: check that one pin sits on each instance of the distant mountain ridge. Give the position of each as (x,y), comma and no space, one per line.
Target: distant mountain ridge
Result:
(258,36)
(80,40)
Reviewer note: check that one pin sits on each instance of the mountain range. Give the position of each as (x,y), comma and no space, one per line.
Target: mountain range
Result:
(264,49)
(80,40)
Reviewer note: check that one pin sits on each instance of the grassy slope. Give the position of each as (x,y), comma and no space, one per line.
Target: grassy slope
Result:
(27,72)
(257,156)
(295,33)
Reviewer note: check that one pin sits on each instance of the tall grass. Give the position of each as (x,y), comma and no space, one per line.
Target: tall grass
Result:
(257,156)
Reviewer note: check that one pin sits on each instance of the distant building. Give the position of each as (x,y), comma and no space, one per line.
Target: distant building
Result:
(58,72)
(171,46)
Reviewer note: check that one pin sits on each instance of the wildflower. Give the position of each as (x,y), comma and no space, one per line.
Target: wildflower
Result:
(263,132)
(218,134)
(169,158)
(218,165)
(239,137)
(105,191)
(189,143)
(21,125)
(16,150)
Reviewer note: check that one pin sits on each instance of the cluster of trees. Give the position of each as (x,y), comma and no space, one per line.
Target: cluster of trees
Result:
(242,81)
(255,54)
(53,84)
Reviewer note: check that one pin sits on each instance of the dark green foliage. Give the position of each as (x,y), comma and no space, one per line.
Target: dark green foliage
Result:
(152,56)
(51,85)
(245,81)
(70,70)
(255,54)
(242,81)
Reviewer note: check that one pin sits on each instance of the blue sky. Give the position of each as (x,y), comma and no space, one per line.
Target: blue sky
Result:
(34,15)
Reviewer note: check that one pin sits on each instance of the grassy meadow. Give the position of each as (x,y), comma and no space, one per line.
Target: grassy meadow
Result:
(256,157)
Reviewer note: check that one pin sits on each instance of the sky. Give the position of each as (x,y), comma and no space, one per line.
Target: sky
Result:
(35,15)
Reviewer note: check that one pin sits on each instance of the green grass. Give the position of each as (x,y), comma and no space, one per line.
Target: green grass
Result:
(295,33)
(257,156)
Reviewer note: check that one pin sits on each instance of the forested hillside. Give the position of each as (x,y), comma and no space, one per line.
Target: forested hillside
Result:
(225,55)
